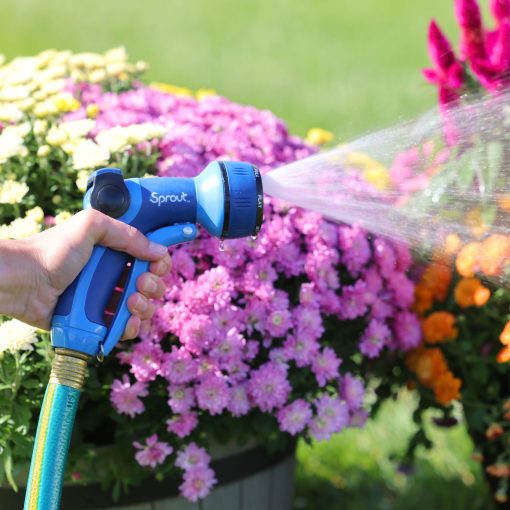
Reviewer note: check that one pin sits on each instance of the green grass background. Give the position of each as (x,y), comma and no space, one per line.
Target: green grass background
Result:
(346,65)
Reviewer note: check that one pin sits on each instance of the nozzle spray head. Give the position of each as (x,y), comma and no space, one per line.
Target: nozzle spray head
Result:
(230,199)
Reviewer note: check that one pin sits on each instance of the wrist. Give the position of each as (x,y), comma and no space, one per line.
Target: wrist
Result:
(16,277)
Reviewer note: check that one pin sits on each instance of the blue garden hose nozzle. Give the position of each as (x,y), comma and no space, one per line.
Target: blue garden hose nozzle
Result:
(226,199)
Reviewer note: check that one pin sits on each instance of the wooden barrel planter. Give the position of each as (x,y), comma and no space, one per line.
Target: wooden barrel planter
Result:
(249,479)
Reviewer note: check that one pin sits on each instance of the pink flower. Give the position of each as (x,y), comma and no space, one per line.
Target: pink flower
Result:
(470,20)
(356,250)
(448,70)
(353,303)
(213,394)
(407,330)
(191,457)
(179,367)
(352,391)
(181,398)
(183,424)
(294,418)
(145,361)
(278,323)
(325,366)
(125,396)
(269,386)
(374,339)
(239,403)
(332,416)
(500,9)
(197,483)
(154,452)
(301,348)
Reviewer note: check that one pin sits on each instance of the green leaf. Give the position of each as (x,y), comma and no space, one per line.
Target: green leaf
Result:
(8,470)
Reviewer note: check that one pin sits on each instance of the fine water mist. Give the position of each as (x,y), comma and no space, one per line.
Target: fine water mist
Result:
(439,183)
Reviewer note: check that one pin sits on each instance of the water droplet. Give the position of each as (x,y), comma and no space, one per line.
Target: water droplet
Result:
(222,245)
(255,237)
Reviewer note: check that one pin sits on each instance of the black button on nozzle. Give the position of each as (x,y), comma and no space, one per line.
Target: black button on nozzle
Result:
(109,192)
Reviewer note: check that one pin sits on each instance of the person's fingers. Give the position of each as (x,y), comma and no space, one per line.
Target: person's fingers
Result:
(140,306)
(132,328)
(119,236)
(161,267)
(150,285)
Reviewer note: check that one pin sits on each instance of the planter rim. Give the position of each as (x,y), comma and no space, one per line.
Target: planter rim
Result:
(92,496)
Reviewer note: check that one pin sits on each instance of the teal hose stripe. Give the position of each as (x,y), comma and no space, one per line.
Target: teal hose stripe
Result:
(56,441)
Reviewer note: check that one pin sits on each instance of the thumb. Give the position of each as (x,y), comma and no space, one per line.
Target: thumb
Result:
(119,236)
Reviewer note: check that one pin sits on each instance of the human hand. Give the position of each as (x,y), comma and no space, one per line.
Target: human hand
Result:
(35,271)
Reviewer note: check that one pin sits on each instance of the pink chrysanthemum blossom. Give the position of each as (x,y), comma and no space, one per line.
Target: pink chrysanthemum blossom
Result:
(181,398)
(154,452)
(332,416)
(407,330)
(191,457)
(239,403)
(183,424)
(179,366)
(352,391)
(294,418)
(269,386)
(213,394)
(325,366)
(125,396)
(197,483)
(374,339)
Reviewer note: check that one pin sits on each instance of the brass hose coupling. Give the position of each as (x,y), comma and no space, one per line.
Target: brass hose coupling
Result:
(69,368)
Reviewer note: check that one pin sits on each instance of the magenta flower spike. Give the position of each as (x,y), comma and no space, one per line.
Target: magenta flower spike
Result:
(501,9)
(448,70)
(472,40)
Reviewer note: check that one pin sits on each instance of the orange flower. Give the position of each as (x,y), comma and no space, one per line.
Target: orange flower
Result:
(437,278)
(504,338)
(423,298)
(494,254)
(427,364)
(503,355)
(467,262)
(501,496)
(471,292)
(499,470)
(504,202)
(439,327)
(447,388)
(494,431)
(452,244)
(474,221)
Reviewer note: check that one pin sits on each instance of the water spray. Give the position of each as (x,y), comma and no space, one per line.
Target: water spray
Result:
(226,199)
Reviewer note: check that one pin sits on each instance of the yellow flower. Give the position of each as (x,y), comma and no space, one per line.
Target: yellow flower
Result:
(16,336)
(66,103)
(92,111)
(61,217)
(19,228)
(56,136)
(10,113)
(40,127)
(204,93)
(37,214)
(21,130)
(97,76)
(43,151)
(171,89)
(81,181)
(11,145)
(14,93)
(318,136)
(12,192)
(373,172)
(89,154)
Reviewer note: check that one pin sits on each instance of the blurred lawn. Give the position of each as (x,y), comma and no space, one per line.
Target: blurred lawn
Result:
(358,469)
(348,66)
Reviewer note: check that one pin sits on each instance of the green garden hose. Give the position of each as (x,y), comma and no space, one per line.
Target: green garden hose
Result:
(44,488)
